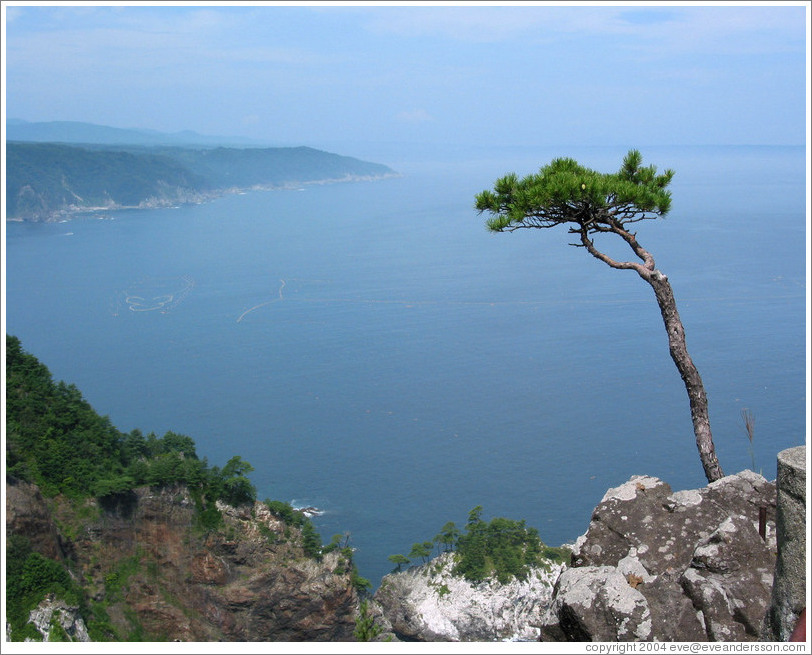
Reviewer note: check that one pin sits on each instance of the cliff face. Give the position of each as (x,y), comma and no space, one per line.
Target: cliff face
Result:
(654,565)
(143,562)
(429,603)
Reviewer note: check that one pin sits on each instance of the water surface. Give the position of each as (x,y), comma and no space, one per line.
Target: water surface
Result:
(370,349)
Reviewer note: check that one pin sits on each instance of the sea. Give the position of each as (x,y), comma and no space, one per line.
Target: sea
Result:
(374,352)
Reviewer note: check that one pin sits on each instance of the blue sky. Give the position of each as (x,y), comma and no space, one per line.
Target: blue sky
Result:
(493,75)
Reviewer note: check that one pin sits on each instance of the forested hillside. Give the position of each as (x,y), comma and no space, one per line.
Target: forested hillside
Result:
(44,178)
(46,181)
(57,441)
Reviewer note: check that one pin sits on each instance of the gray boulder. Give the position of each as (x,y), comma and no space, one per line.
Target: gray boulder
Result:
(694,559)
(596,603)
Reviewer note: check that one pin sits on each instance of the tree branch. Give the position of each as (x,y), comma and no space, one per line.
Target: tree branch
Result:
(631,239)
(616,227)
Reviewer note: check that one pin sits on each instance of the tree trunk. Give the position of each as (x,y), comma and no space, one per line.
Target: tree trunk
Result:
(690,376)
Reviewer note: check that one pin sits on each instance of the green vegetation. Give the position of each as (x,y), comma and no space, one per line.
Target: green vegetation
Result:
(421,550)
(29,578)
(448,536)
(502,549)
(311,541)
(100,626)
(56,632)
(44,178)
(312,544)
(398,561)
(341,543)
(365,627)
(362,585)
(115,582)
(248,167)
(56,440)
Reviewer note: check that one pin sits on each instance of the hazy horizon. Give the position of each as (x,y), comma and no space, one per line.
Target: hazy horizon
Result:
(355,77)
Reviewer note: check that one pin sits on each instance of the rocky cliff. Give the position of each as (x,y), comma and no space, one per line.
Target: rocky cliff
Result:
(655,564)
(429,603)
(149,573)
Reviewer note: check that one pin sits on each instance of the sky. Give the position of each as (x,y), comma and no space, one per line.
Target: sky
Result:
(488,74)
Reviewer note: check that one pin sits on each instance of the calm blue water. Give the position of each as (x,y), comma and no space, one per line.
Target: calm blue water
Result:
(373,351)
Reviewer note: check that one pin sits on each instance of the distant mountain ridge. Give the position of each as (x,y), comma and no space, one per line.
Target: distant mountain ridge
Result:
(49,180)
(91,133)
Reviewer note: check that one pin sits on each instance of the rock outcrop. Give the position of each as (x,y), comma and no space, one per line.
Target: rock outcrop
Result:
(684,566)
(142,558)
(695,565)
(429,603)
(28,515)
(789,585)
(53,615)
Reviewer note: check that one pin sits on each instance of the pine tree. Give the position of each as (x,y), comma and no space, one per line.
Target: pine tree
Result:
(590,203)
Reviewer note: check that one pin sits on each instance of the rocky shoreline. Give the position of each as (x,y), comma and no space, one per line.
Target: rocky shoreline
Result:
(183,197)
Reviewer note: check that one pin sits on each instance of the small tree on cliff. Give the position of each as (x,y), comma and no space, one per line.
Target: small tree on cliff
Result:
(398,560)
(565,193)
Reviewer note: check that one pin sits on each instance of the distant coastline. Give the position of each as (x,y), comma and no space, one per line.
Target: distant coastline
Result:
(49,182)
(199,198)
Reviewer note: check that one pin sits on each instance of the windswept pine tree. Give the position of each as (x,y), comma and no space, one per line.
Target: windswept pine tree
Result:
(591,203)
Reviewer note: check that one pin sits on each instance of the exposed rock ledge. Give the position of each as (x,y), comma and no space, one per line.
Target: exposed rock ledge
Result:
(664,566)
(428,603)
(653,565)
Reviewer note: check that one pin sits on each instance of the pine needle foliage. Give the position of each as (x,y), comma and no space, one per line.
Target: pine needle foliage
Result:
(502,549)
(564,191)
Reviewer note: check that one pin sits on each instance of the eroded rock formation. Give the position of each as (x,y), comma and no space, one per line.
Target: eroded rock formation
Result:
(159,577)
(684,566)
(428,603)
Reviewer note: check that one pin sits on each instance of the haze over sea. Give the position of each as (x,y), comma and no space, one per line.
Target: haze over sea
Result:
(371,350)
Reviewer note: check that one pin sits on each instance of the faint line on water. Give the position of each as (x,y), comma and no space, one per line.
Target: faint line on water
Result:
(493,303)
(262,304)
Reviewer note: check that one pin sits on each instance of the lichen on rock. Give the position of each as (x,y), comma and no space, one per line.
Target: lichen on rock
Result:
(672,566)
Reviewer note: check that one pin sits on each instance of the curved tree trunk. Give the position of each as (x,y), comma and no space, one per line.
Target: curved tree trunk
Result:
(690,376)
(676,340)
